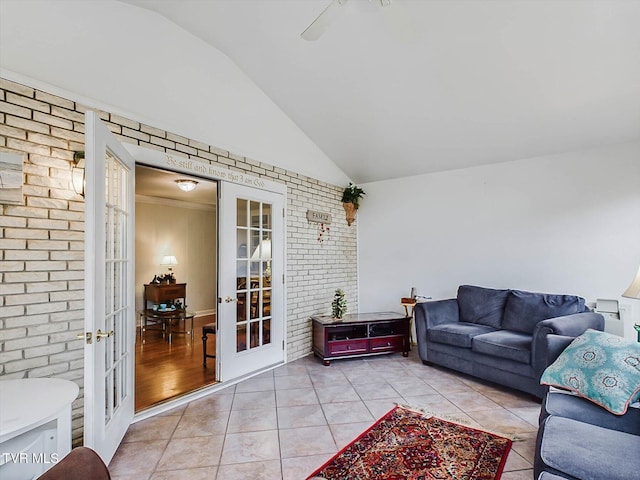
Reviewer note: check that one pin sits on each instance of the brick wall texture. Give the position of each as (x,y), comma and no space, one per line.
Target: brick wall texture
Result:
(42,240)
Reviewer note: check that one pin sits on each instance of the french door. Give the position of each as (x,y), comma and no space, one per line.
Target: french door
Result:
(109,289)
(251,318)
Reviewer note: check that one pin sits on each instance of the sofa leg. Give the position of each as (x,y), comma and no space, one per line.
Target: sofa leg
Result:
(427,363)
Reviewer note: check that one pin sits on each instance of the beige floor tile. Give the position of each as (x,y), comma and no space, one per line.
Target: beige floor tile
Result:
(138,458)
(267,470)
(413,387)
(375,391)
(288,382)
(254,400)
(336,393)
(252,420)
(154,428)
(297,416)
(193,452)
(515,461)
(347,412)
(502,421)
(471,401)
(299,468)
(529,414)
(296,396)
(256,384)
(380,407)
(250,447)
(216,402)
(205,424)
(519,475)
(202,473)
(301,416)
(345,433)
(301,442)
(433,403)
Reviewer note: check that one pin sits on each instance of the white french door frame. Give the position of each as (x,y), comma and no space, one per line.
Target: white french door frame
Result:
(174,163)
(109,333)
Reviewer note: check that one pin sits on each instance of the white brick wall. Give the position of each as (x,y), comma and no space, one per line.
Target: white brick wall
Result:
(41,242)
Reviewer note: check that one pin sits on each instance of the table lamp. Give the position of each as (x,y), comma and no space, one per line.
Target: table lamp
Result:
(634,292)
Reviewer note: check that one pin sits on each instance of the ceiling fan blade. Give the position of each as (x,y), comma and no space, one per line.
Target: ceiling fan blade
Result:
(326,18)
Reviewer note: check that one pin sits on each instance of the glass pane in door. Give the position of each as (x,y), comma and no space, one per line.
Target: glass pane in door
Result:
(116,264)
(253,294)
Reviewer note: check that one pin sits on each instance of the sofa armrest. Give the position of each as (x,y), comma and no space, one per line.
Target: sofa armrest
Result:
(435,313)
(553,335)
(430,314)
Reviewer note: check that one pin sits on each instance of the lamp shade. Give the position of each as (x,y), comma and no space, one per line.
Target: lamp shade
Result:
(169,260)
(634,289)
(262,251)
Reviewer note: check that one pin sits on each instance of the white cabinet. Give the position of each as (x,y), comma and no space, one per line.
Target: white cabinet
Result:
(35,425)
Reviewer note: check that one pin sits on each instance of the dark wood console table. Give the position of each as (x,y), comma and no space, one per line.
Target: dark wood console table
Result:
(360,334)
(174,297)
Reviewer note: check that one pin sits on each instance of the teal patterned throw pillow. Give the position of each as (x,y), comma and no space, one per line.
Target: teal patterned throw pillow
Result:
(600,367)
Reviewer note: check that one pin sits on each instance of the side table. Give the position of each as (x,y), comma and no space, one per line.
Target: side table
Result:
(35,425)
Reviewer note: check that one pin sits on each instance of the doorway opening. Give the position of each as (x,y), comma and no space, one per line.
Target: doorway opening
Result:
(176,270)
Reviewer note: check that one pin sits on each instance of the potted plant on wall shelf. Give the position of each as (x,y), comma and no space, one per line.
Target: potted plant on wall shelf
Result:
(351,201)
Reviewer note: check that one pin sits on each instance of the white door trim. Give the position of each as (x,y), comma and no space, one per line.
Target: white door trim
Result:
(180,164)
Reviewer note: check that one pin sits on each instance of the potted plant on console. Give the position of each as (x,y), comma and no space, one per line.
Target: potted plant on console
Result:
(351,201)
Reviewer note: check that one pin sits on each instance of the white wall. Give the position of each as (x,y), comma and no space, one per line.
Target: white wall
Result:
(185,231)
(567,223)
(136,63)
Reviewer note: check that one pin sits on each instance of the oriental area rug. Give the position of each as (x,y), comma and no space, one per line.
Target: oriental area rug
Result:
(405,444)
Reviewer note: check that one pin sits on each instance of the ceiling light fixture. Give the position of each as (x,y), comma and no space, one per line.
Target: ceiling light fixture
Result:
(186,185)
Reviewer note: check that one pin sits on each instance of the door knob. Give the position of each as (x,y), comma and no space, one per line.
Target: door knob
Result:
(100,334)
(229,299)
(85,336)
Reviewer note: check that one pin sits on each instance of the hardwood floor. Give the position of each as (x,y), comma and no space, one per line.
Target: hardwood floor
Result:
(165,371)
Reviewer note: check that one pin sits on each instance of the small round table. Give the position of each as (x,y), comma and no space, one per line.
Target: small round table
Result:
(35,424)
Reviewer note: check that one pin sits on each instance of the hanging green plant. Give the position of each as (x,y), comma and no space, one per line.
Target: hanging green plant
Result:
(352,194)
(351,201)
(339,304)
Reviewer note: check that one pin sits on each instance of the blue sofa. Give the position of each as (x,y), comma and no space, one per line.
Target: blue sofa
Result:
(499,335)
(578,439)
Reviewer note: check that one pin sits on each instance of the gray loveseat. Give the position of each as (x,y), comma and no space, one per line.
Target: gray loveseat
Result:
(499,335)
(578,439)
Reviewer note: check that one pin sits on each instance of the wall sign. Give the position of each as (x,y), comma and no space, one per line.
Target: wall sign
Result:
(318,217)
(176,163)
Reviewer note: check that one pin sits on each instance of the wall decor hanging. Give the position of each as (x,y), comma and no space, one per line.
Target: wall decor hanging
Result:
(323,220)
(351,201)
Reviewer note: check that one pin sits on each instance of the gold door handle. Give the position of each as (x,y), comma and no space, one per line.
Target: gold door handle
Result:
(85,336)
(229,300)
(100,334)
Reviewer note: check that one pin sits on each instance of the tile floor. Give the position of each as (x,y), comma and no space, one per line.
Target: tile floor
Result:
(287,422)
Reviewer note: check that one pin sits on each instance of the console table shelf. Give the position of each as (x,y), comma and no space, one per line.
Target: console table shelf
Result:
(360,334)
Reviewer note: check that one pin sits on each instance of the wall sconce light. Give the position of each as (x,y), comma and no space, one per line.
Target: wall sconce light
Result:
(186,185)
(78,173)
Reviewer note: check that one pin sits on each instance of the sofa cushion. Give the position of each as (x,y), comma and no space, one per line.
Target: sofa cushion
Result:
(458,334)
(484,306)
(514,346)
(585,451)
(600,367)
(550,476)
(568,405)
(524,310)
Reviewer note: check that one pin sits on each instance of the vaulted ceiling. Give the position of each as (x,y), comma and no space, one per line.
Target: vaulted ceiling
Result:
(429,85)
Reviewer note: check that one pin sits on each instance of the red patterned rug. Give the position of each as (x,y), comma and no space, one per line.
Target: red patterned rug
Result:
(405,444)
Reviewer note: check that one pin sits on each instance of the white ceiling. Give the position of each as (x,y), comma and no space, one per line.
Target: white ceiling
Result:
(431,85)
